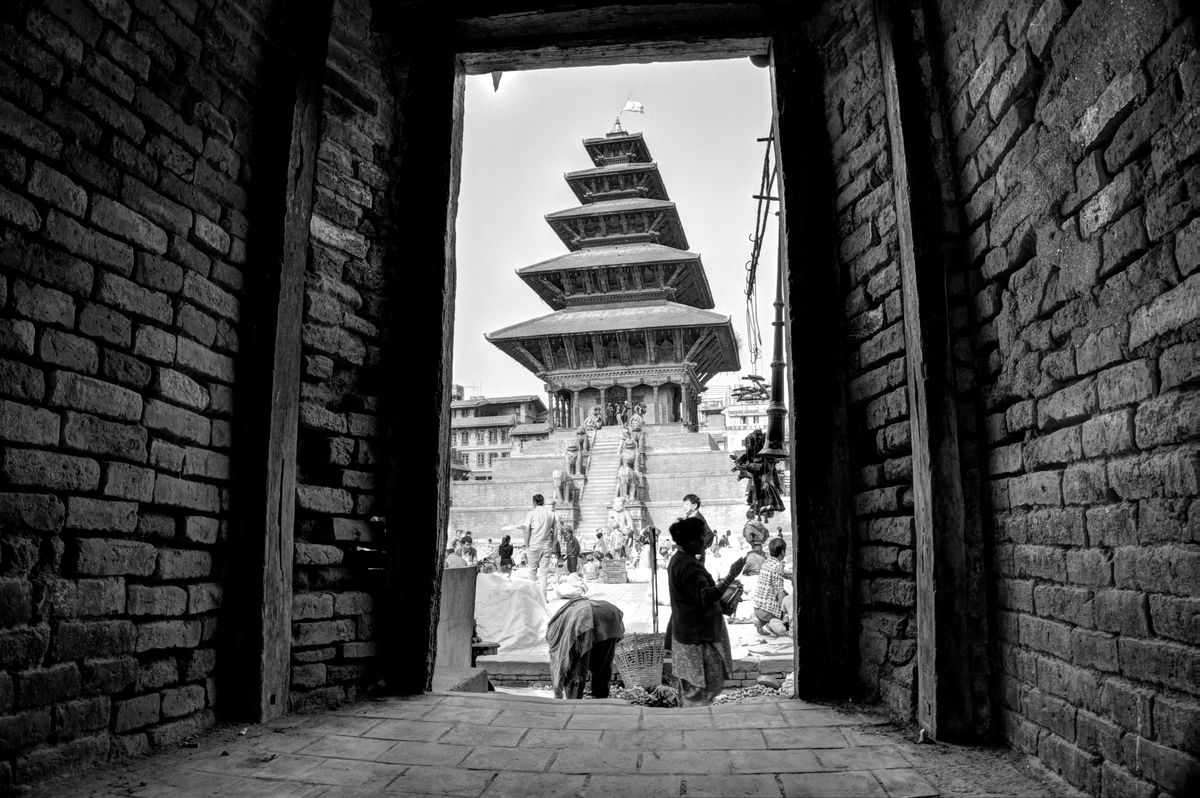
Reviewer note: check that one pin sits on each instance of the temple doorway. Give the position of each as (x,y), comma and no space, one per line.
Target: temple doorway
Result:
(649,136)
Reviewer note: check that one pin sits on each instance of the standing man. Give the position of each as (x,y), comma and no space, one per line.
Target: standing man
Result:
(691,509)
(541,528)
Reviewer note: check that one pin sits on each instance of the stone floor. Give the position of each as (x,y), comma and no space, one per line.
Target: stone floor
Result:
(494,744)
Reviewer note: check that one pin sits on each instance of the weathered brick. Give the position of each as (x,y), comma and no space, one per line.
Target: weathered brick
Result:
(199,529)
(1072,403)
(25,424)
(86,639)
(76,598)
(51,470)
(16,336)
(1125,384)
(1055,448)
(201,360)
(69,351)
(135,713)
(157,635)
(128,482)
(96,557)
(64,272)
(175,492)
(1171,418)
(105,676)
(204,597)
(157,673)
(1123,612)
(1158,662)
(94,396)
(163,600)
(129,296)
(154,344)
(18,125)
(106,324)
(97,436)
(1089,567)
(183,564)
(38,512)
(126,370)
(1056,527)
(1040,562)
(205,463)
(177,422)
(1086,483)
(74,718)
(1170,311)
(1176,618)
(25,728)
(50,685)
(352,603)
(322,632)
(180,388)
(15,601)
(1099,120)
(180,701)
(100,515)
(1043,487)
(88,244)
(1174,473)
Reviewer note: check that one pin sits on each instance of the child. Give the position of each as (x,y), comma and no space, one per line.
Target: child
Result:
(769,593)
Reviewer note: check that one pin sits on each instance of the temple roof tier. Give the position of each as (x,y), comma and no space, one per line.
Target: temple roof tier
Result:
(635,271)
(620,147)
(622,336)
(616,182)
(619,221)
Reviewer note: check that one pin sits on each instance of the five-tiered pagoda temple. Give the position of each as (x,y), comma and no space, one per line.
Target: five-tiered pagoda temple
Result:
(631,316)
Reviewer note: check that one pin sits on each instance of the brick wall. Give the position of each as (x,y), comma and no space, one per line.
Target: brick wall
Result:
(844,34)
(332,612)
(124,133)
(1076,130)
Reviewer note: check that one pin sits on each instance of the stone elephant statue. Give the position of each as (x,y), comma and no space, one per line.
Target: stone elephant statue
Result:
(564,486)
(627,483)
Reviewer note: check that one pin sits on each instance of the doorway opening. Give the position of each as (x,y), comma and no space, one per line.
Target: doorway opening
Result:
(616,292)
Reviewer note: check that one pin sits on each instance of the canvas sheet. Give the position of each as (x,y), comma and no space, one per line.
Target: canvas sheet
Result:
(511,612)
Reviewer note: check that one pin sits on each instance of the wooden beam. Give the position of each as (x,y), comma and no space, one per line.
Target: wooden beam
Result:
(427,82)
(287,139)
(944,694)
(825,627)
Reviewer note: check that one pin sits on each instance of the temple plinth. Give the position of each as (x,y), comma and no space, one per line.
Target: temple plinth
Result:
(631,318)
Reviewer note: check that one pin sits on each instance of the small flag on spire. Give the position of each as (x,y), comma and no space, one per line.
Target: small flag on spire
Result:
(634,108)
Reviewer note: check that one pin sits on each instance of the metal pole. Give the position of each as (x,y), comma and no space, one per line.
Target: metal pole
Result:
(776,410)
(653,576)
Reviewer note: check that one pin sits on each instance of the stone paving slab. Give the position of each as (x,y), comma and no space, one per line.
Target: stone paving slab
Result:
(492,745)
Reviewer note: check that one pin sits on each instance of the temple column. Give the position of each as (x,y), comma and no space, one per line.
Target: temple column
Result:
(685,402)
(603,410)
(576,420)
(657,411)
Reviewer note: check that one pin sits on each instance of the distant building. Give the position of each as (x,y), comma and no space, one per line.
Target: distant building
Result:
(486,429)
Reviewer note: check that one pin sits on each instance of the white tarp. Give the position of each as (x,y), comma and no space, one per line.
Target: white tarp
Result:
(511,612)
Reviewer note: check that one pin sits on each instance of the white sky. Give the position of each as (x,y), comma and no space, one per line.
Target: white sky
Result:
(701,124)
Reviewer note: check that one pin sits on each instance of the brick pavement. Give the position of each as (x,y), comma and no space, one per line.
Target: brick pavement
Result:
(495,744)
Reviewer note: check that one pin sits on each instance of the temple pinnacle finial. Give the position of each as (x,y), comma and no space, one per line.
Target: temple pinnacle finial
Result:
(616,129)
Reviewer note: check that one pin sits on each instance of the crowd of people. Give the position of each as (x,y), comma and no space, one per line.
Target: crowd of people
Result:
(583,634)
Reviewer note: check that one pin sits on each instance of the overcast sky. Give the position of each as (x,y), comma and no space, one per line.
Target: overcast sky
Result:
(701,123)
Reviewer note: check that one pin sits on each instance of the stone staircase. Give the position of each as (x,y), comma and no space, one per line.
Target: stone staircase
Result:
(601,479)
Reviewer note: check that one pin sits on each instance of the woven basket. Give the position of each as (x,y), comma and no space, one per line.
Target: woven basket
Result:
(639,660)
(614,572)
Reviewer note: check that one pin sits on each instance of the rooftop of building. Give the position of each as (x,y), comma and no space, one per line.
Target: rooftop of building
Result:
(610,317)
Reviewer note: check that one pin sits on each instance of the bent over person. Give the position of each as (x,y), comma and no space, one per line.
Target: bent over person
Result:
(583,637)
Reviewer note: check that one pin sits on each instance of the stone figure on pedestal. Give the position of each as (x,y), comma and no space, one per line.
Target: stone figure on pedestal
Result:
(571,459)
(564,487)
